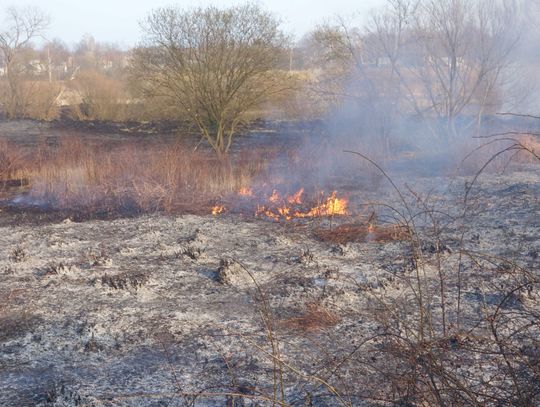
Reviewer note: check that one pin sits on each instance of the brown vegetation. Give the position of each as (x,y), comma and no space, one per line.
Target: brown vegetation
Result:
(314,318)
(213,65)
(102,98)
(23,25)
(134,176)
(441,61)
(12,165)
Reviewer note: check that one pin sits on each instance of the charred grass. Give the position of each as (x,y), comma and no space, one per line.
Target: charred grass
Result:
(457,327)
(362,233)
(430,347)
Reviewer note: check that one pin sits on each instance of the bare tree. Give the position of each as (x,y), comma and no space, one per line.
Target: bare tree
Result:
(212,64)
(22,25)
(390,33)
(441,60)
(343,54)
(350,81)
(465,45)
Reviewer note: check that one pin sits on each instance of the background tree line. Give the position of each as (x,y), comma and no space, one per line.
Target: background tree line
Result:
(445,63)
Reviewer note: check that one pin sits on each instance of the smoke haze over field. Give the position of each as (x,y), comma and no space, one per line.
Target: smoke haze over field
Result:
(384,75)
(117,21)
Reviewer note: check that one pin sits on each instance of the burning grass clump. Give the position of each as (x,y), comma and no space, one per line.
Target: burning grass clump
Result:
(279,207)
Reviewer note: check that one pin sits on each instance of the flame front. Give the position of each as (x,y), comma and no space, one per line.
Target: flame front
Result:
(296,198)
(330,207)
(277,207)
(290,207)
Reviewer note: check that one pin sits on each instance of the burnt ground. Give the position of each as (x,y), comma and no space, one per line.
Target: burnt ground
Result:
(31,132)
(166,310)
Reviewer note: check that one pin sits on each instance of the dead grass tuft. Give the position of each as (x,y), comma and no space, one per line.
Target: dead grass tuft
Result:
(18,255)
(315,318)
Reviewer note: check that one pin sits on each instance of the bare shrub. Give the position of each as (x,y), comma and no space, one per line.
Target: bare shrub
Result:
(22,25)
(294,102)
(433,349)
(103,98)
(35,99)
(43,100)
(213,65)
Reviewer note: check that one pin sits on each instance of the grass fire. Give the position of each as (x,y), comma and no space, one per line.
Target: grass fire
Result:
(285,208)
(226,213)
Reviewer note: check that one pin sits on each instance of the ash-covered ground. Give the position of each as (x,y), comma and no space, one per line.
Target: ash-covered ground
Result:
(426,296)
(183,310)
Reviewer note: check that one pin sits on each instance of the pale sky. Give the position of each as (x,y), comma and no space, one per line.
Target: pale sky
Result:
(118,20)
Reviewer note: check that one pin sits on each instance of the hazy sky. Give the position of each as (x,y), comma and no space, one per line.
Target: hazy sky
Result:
(117,20)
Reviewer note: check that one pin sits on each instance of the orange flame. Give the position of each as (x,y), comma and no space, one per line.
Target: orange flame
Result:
(245,191)
(296,198)
(274,198)
(218,209)
(263,211)
(330,207)
(289,207)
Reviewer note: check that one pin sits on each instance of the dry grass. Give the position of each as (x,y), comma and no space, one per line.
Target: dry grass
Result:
(314,318)
(102,98)
(133,176)
(531,143)
(12,163)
